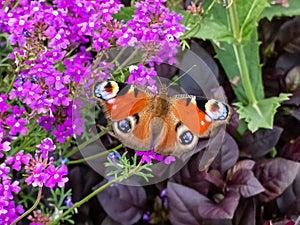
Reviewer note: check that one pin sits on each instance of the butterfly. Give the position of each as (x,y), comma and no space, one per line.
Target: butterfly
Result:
(171,125)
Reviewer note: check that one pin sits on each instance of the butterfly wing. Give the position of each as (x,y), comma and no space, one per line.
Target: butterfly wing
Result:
(125,106)
(190,118)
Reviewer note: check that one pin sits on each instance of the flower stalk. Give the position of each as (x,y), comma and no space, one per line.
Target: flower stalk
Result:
(38,199)
(240,54)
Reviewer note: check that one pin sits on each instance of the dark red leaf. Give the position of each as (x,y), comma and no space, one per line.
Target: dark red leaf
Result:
(190,176)
(244,182)
(183,204)
(227,156)
(109,221)
(261,142)
(245,212)
(276,175)
(222,210)
(188,206)
(289,201)
(291,150)
(244,164)
(123,203)
(294,99)
(288,35)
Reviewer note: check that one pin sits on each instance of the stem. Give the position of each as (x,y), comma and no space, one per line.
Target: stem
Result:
(94,156)
(240,54)
(82,201)
(127,60)
(106,185)
(31,209)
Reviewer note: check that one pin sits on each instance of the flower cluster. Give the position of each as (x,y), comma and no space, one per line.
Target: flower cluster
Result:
(8,210)
(54,48)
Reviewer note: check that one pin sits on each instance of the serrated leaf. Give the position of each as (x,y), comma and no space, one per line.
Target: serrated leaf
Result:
(248,14)
(214,25)
(225,54)
(278,10)
(261,113)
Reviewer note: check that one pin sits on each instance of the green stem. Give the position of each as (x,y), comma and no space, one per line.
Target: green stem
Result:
(82,201)
(127,60)
(89,141)
(106,185)
(11,84)
(240,54)
(31,209)
(93,156)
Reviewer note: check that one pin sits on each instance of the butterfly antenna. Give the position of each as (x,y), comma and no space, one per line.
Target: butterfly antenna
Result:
(178,78)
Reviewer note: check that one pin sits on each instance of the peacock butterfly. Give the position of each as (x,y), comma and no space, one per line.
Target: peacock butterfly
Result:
(171,125)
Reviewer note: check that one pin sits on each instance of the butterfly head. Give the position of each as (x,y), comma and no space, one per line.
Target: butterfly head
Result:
(106,89)
(217,110)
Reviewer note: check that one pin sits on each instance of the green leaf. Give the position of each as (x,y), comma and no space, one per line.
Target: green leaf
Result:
(249,12)
(125,14)
(214,25)
(278,10)
(261,114)
(227,58)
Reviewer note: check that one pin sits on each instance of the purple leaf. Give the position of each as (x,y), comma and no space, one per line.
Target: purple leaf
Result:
(190,176)
(261,142)
(294,99)
(288,35)
(244,182)
(109,221)
(188,206)
(183,204)
(276,175)
(245,213)
(296,113)
(289,201)
(244,164)
(222,210)
(291,150)
(123,203)
(227,156)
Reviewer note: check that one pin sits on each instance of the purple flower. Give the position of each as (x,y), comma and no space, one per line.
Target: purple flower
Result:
(46,146)
(9,212)
(142,75)
(147,157)
(37,176)
(68,201)
(60,97)
(6,188)
(18,159)
(60,133)
(57,80)
(16,122)
(4,146)
(3,105)
(36,170)
(56,176)
(4,170)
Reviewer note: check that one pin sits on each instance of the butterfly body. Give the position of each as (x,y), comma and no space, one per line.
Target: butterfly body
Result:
(170,124)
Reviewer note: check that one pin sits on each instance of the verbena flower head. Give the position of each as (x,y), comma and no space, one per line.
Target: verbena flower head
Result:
(45,147)
(18,159)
